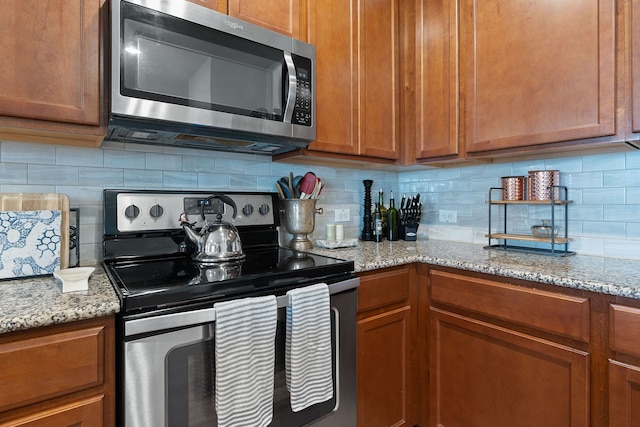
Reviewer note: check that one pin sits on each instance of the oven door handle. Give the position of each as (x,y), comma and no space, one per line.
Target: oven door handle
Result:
(207,315)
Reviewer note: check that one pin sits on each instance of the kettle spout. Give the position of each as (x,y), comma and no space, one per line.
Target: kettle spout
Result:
(188,228)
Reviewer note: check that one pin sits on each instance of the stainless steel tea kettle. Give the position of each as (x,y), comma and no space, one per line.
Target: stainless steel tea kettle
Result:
(218,240)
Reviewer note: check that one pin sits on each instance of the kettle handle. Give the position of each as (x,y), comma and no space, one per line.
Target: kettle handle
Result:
(225,199)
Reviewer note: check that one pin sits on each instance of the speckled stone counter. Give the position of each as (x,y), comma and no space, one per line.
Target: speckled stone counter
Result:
(611,276)
(30,303)
(39,301)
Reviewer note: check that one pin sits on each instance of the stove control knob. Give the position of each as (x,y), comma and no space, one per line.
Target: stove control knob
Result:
(263,209)
(247,209)
(132,212)
(156,211)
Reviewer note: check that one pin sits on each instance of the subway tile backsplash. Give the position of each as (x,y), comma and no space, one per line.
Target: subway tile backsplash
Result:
(603,220)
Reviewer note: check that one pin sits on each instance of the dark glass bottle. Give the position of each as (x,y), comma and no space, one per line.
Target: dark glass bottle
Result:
(377,225)
(383,214)
(392,220)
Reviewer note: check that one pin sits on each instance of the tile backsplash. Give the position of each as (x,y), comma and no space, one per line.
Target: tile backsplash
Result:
(82,174)
(603,220)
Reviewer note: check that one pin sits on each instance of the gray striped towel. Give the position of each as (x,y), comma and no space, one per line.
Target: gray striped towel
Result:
(245,361)
(308,363)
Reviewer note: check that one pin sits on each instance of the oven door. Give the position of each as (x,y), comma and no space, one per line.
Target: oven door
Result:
(169,369)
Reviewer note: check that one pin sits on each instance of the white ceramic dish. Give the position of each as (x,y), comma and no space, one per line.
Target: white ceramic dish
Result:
(74,279)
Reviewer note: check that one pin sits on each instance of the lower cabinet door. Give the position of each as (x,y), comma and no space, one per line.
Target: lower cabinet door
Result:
(384,368)
(86,412)
(485,375)
(624,395)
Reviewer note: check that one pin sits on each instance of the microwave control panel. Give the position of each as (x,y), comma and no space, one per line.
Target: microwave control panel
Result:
(304,92)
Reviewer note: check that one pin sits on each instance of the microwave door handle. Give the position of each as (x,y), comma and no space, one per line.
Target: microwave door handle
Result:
(293,86)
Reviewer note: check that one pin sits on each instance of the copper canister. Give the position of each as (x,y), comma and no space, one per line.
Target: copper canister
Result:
(513,187)
(541,184)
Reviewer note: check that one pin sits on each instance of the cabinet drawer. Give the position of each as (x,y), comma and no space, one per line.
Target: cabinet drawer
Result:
(556,313)
(86,412)
(40,368)
(624,335)
(383,287)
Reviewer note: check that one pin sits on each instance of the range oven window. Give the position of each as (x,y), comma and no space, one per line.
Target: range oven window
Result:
(167,59)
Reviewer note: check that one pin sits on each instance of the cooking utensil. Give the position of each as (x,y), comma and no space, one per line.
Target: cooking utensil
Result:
(307,185)
(316,189)
(284,186)
(296,184)
(291,187)
(280,192)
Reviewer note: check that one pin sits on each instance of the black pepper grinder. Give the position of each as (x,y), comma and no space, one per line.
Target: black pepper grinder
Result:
(367,228)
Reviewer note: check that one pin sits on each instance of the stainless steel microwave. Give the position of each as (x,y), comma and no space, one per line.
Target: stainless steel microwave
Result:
(185,75)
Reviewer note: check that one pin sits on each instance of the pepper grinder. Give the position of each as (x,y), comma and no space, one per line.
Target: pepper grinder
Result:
(367,229)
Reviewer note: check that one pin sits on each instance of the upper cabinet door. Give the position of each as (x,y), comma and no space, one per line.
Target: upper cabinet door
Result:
(50,60)
(635,64)
(284,16)
(357,57)
(218,5)
(436,79)
(536,72)
(379,79)
(333,29)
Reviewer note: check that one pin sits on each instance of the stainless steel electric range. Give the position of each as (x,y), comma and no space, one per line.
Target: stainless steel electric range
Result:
(166,327)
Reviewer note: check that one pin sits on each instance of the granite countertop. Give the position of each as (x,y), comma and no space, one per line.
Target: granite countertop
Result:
(613,276)
(39,301)
(34,302)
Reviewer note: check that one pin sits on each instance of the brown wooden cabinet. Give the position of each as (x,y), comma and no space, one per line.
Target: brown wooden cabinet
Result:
(59,375)
(386,347)
(51,71)
(536,72)
(437,89)
(505,355)
(635,65)
(624,365)
(357,86)
(493,79)
(284,16)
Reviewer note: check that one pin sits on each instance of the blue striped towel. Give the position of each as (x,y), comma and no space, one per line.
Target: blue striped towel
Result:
(245,361)
(308,363)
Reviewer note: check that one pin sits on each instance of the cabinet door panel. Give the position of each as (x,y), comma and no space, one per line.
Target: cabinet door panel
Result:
(635,64)
(379,97)
(537,72)
(88,412)
(437,79)
(283,16)
(383,367)
(333,30)
(624,395)
(44,367)
(484,375)
(217,5)
(548,311)
(50,60)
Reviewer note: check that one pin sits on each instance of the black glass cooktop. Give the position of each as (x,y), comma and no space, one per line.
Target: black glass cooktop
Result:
(167,282)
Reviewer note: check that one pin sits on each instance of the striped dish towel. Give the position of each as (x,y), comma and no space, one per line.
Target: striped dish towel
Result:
(308,362)
(245,361)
